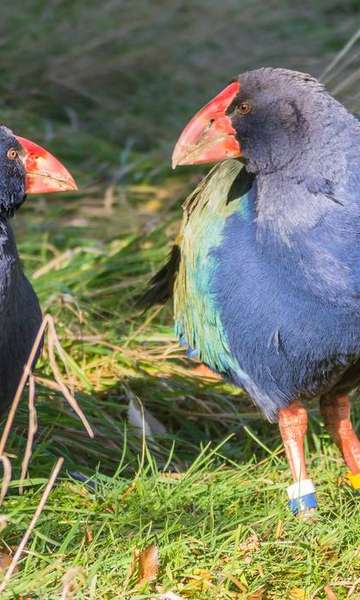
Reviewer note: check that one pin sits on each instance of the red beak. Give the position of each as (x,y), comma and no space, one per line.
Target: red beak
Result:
(44,173)
(209,136)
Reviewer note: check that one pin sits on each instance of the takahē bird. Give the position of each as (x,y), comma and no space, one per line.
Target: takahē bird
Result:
(25,168)
(266,270)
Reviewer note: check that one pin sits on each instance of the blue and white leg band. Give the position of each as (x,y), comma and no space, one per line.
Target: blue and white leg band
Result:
(302,496)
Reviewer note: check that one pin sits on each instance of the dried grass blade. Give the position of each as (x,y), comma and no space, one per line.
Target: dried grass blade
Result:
(32,429)
(53,342)
(6,477)
(343,52)
(32,524)
(23,380)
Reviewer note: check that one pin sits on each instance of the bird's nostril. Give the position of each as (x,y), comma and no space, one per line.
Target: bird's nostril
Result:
(208,126)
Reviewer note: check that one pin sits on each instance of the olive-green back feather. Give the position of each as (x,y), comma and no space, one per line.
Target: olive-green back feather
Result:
(189,272)
(205,213)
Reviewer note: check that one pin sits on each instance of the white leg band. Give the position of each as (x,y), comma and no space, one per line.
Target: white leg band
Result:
(300,488)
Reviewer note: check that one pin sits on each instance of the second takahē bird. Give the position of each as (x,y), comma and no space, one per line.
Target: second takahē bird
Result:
(266,270)
(25,168)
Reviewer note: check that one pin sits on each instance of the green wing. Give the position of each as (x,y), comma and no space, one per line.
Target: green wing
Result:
(206,210)
(197,318)
(161,286)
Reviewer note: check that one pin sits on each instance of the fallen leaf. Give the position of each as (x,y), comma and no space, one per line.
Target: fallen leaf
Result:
(330,595)
(5,560)
(297,594)
(251,544)
(258,595)
(149,564)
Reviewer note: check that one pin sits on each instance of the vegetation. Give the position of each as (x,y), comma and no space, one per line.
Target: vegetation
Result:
(107,87)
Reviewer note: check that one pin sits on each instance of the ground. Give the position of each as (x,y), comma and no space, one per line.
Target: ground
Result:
(207,485)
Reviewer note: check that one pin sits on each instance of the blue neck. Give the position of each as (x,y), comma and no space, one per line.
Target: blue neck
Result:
(309,225)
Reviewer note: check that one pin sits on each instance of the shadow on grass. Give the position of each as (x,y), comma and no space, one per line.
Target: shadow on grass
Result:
(193,414)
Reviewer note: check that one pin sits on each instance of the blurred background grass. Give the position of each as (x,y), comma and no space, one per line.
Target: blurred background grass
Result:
(107,87)
(128,73)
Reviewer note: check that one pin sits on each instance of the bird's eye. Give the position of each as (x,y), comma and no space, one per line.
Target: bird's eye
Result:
(244,108)
(12,154)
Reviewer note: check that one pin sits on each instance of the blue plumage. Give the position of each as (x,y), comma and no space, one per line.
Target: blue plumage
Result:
(267,277)
(268,285)
(287,332)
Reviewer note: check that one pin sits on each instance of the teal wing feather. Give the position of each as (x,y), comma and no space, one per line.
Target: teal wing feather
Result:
(188,273)
(206,211)
(161,286)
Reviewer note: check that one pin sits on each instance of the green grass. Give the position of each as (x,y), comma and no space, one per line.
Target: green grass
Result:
(107,89)
(218,521)
(233,475)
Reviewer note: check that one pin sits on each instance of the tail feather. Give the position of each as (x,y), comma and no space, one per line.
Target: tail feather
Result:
(161,286)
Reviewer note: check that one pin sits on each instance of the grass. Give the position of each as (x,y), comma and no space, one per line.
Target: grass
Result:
(215,505)
(108,95)
(135,70)
(222,528)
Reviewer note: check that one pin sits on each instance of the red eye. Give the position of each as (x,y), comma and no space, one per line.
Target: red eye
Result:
(244,108)
(12,154)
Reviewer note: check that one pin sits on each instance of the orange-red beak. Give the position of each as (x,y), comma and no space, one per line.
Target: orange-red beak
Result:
(209,136)
(44,173)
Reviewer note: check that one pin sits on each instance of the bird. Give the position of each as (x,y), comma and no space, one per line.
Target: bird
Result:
(25,168)
(265,272)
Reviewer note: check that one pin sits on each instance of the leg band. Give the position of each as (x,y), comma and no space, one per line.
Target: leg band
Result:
(302,496)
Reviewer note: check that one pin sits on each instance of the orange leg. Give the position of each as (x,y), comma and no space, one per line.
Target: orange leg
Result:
(293,425)
(336,413)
